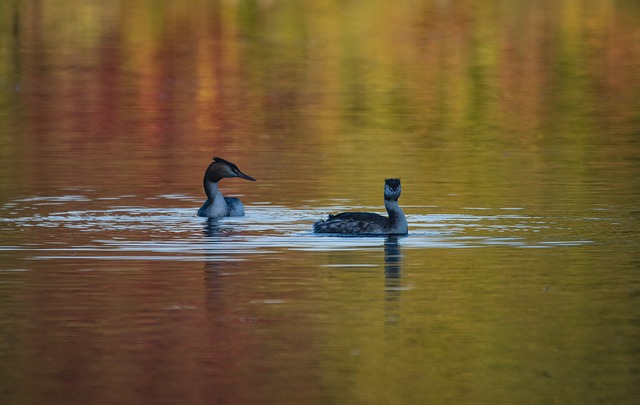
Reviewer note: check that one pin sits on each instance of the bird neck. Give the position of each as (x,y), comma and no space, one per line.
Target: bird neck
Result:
(393,208)
(396,215)
(211,189)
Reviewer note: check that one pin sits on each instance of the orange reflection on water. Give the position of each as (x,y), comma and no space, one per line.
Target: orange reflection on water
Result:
(498,105)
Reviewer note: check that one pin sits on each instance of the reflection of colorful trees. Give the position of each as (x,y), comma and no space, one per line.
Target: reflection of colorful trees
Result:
(343,80)
(503,100)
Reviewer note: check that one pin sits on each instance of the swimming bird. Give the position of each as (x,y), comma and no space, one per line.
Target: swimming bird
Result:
(367,223)
(218,205)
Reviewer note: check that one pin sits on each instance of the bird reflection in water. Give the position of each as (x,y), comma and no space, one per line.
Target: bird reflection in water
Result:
(212,227)
(214,267)
(392,276)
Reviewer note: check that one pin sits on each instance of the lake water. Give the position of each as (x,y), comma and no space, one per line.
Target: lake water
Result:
(514,126)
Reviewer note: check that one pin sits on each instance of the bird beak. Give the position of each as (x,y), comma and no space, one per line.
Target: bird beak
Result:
(244,176)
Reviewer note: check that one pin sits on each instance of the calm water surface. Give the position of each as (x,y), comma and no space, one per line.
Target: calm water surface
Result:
(514,126)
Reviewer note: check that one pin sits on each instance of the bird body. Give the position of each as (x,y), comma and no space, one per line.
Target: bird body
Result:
(367,223)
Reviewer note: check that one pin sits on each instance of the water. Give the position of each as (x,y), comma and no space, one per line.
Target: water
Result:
(514,127)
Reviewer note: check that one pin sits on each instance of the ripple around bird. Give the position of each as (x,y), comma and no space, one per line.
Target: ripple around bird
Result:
(138,232)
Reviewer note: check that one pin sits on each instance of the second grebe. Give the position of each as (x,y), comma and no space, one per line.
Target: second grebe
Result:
(367,223)
(217,205)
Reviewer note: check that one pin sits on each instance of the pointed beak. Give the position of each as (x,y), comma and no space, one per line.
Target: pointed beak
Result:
(244,176)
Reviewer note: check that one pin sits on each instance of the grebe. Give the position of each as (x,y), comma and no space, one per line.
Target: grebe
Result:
(367,223)
(217,205)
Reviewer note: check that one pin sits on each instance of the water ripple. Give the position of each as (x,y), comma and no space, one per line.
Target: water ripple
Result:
(146,233)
